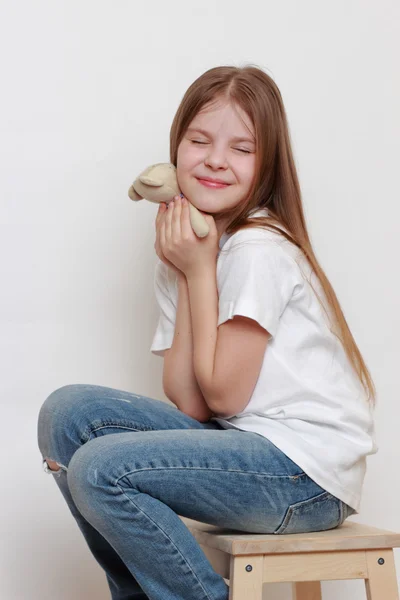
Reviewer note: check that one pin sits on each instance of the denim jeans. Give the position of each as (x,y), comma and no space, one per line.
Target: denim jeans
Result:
(127,490)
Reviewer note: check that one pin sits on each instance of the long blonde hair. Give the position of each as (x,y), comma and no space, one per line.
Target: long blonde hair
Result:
(276,185)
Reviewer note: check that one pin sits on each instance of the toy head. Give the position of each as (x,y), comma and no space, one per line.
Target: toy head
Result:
(157,184)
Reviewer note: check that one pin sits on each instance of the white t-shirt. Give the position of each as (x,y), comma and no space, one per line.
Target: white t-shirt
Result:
(307,400)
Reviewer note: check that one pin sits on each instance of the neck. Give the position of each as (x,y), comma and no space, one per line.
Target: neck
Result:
(221,226)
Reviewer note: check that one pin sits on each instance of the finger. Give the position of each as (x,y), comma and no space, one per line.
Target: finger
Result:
(159,218)
(176,220)
(157,244)
(160,212)
(168,221)
(157,241)
(186,226)
(162,235)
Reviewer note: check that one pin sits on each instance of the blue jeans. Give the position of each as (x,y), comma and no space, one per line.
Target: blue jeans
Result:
(127,490)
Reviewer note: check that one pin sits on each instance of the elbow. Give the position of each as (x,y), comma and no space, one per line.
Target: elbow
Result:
(191,404)
(221,411)
(204,417)
(227,406)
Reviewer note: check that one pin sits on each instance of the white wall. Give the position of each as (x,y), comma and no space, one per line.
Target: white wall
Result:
(89,90)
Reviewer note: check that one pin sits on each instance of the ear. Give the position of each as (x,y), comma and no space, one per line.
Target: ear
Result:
(150,181)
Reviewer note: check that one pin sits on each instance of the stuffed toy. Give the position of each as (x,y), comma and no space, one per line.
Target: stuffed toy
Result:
(158,183)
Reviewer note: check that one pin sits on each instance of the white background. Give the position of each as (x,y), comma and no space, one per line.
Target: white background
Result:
(88,93)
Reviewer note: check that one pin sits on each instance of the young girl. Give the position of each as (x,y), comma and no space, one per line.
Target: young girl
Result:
(273,416)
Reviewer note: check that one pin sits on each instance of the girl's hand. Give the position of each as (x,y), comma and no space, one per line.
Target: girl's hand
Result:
(162,211)
(181,246)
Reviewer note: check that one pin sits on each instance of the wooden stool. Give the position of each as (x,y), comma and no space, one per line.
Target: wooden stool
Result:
(351,551)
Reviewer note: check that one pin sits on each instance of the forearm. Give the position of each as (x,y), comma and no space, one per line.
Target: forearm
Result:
(179,380)
(203,297)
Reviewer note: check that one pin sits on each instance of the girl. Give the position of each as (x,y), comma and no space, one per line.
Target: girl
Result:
(273,416)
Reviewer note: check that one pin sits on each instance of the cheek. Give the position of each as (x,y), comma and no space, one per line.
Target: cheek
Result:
(189,156)
(248,172)
(181,159)
(183,172)
(186,163)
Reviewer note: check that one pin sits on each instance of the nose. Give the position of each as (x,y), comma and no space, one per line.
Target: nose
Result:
(216,158)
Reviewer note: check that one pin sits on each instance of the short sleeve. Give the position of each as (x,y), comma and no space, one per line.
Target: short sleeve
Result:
(164,333)
(256,279)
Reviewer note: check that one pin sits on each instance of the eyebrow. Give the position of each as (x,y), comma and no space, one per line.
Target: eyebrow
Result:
(204,132)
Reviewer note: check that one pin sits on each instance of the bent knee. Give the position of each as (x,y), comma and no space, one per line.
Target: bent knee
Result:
(57,407)
(61,398)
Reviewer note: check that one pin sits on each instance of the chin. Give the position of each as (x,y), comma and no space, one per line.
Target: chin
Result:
(207,206)
(206,200)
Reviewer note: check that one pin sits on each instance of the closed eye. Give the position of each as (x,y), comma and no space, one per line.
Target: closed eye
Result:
(238,149)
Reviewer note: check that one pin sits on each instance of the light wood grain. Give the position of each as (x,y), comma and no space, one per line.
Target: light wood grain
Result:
(315,566)
(349,536)
(246,583)
(352,551)
(381,581)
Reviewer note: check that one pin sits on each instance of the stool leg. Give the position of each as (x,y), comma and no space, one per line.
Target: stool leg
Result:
(382,582)
(246,577)
(307,590)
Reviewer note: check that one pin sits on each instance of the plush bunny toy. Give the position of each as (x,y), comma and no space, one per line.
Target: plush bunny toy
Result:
(158,183)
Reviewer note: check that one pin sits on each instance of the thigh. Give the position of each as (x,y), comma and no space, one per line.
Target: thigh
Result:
(231,478)
(74,414)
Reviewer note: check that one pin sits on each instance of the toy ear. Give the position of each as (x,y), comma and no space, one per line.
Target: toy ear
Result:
(150,181)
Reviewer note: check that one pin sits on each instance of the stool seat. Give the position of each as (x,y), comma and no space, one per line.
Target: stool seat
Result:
(352,551)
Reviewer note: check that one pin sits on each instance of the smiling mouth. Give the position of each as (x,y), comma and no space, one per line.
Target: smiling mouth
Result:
(212,184)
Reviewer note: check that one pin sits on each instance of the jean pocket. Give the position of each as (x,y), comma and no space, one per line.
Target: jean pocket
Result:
(318,513)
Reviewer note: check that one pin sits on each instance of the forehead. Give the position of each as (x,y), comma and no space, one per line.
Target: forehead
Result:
(220,116)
